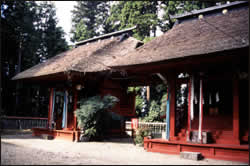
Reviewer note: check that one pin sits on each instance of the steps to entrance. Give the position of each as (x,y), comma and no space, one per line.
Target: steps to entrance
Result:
(214,151)
(217,136)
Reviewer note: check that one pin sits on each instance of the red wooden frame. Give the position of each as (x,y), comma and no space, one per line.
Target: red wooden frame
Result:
(214,151)
(172,84)
(236,111)
(19,117)
(50,107)
(75,107)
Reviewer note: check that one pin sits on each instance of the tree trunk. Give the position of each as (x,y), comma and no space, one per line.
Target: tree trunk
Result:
(19,58)
(18,71)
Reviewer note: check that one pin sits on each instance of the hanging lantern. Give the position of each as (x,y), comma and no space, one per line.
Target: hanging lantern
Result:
(200,17)
(224,11)
(79,86)
(243,75)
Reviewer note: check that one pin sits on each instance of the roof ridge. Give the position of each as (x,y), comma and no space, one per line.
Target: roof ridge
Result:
(206,10)
(105,35)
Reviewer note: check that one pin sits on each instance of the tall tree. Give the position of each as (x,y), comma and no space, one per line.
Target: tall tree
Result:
(52,39)
(89,19)
(179,7)
(131,13)
(19,18)
(23,34)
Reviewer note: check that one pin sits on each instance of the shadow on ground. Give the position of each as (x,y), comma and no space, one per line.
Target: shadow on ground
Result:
(119,140)
(17,134)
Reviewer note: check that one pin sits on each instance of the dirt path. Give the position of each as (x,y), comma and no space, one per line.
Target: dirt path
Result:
(25,149)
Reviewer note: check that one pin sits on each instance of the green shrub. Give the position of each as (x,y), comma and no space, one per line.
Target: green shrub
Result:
(154,113)
(138,104)
(92,116)
(140,134)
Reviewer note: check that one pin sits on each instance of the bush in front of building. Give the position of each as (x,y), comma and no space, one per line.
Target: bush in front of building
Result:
(92,115)
(140,133)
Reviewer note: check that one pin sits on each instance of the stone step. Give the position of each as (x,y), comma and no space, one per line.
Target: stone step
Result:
(191,155)
(47,137)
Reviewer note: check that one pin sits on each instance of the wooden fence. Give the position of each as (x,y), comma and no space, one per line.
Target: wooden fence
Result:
(13,122)
(156,128)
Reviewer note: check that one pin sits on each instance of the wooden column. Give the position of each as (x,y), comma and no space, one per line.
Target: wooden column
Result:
(236,111)
(172,82)
(50,107)
(75,107)
(148,93)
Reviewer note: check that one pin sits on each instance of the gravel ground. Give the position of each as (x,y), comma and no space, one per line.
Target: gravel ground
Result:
(27,150)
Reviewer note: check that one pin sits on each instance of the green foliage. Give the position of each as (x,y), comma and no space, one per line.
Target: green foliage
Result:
(91,113)
(179,7)
(134,89)
(138,98)
(90,132)
(154,113)
(164,103)
(147,39)
(88,17)
(157,105)
(138,104)
(51,37)
(126,14)
(29,32)
(140,134)
(34,28)
(94,18)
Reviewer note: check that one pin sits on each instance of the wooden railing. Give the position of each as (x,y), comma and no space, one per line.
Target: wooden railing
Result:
(13,122)
(156,128)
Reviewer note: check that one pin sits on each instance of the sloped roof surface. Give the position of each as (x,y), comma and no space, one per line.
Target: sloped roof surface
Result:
(213,33)
(92,57)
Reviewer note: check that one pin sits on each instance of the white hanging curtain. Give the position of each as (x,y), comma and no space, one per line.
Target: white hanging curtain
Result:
(192,99)
(65,110)
(200,111)
(195,99)
(217,97)
(210,99)
(53,105)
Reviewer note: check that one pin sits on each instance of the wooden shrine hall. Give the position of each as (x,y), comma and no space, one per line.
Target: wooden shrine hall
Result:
(203,60)
(79,73)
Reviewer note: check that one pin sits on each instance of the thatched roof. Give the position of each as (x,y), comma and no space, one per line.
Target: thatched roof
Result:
(215,32)
(92,57)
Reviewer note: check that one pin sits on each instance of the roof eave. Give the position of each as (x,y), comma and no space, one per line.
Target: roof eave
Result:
(208,10)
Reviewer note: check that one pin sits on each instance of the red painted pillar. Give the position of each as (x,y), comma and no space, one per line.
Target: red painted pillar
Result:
(236,111)
(172,82)
(50,107)
(75,107)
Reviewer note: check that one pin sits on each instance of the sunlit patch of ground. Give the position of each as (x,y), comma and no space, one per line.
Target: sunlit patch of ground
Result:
(22,148)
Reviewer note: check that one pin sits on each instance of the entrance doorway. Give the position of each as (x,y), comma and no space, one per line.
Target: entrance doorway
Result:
(62,111)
